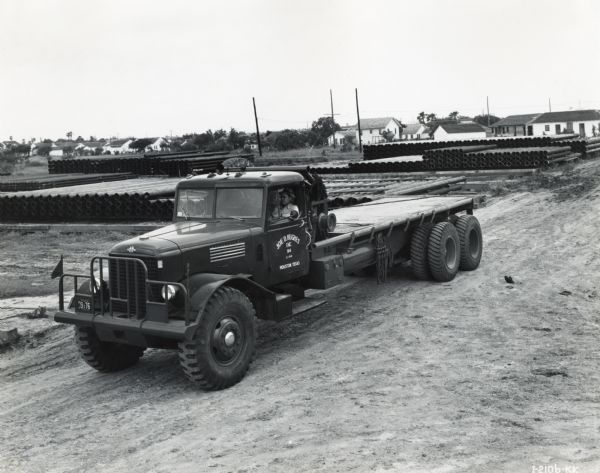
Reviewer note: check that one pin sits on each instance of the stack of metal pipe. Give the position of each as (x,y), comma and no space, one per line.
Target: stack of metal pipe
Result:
(170,164)
(408,148)
(27,183)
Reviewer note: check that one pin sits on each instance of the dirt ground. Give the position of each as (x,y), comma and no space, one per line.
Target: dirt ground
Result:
(473,375)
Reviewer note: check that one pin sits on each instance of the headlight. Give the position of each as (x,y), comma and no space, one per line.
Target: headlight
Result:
(168,292)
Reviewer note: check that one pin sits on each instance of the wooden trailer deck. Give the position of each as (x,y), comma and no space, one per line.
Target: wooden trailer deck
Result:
(361,220)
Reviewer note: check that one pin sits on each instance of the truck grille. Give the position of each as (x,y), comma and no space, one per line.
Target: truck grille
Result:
(128,285)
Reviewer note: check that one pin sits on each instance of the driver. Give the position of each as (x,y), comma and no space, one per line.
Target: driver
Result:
(287,203)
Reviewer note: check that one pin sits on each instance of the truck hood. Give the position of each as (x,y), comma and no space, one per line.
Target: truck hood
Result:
(183,236)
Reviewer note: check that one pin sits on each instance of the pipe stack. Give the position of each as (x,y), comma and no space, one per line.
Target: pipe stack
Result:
(171,164)
(137,200)
(28,183)
(409,148)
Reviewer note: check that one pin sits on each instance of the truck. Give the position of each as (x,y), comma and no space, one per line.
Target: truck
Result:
(231,255)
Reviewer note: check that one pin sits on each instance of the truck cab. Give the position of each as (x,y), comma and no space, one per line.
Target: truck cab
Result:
(242,239)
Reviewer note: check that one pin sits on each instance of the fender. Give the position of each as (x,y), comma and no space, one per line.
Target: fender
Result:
(203,285)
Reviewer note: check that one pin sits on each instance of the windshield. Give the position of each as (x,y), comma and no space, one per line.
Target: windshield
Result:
(239,203)
(195,203)
(230,203)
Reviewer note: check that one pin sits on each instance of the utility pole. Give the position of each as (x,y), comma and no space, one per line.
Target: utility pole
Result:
(332,119)
(257,130)
(487,99)
(358,117)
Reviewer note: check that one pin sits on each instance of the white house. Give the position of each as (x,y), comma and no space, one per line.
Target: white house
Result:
(342,137)
(372,129)
(415,131)
(515,125)
(86,148)
(118,146)
(458,131)
(157,144)
(584,122)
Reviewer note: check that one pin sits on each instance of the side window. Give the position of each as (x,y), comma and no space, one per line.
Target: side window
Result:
(283,205)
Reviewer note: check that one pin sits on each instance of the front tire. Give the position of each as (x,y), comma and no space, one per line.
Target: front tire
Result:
(105,357)
(222,349)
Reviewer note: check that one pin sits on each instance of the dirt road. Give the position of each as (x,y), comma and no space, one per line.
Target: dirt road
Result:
(468,376)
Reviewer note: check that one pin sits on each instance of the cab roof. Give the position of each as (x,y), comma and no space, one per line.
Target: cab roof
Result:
(262,178)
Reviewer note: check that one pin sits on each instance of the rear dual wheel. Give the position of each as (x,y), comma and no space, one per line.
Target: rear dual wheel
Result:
(439,251)
(443,251)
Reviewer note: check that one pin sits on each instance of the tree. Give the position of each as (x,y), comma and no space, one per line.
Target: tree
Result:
(79,139)
(43,149)
(69,135)
(421,118)
(453,116)
(236,139)
(22,150)
(483,119)
(286,139)
(431,117)
(322,129)
(141,144)
(203,140)
(388,135)
(219,134)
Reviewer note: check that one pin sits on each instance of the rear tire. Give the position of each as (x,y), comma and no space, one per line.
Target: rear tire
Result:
(471,242)
(105,356)
(443,252)
(418,252)
(222,349)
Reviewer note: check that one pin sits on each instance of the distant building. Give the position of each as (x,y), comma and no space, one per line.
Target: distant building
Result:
(87,148)
(458,131)
(62,148)
(158,144)
(372,130)
(118,146)
(342,137)
(582,122)
(415,131)
(515,125)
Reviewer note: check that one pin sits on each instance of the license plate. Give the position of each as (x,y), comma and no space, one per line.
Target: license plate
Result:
(84,305)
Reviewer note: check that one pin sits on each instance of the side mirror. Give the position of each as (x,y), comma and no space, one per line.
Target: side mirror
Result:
(294,215)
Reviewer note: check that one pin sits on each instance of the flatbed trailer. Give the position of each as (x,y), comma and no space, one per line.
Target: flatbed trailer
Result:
(197,285)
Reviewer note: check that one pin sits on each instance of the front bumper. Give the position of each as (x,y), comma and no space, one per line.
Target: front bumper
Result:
(122,328)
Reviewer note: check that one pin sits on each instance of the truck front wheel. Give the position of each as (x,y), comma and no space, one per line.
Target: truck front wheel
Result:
(105,356)
(221,351)
(443,252)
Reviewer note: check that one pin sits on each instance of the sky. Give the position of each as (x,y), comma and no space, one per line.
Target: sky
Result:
(154,68)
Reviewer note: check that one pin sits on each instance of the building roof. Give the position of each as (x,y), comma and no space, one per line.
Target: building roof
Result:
(117,143)
(514,120)
(568,116)
(411,128)
(376,123)
(461,128)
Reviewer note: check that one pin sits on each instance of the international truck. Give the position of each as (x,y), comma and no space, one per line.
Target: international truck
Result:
(230,256)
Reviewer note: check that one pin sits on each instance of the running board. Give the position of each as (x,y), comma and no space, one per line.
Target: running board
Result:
(306,304)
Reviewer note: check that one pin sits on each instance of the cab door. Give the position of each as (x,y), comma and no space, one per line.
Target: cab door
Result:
(287,249)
